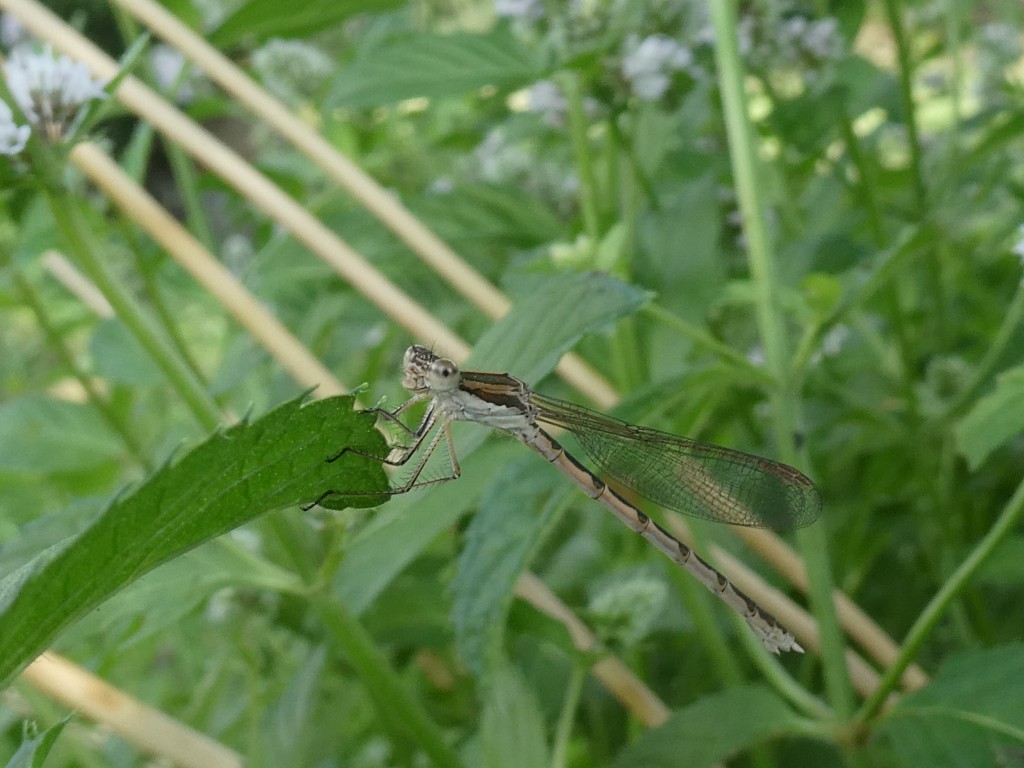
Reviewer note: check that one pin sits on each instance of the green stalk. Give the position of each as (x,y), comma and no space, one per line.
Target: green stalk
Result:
(704,339)
(569,83)
(399,712)
(630,366)
(151,291)
(937,606)
(566,718)
(117,425)
(935,271)
(83,246)
(1011,322)
(892,11)
(812,541)
(865,187)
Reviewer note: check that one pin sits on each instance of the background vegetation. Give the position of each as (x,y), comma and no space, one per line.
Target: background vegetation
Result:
(789,228)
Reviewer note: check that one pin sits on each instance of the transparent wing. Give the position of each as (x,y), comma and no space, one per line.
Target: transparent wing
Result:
(694,478)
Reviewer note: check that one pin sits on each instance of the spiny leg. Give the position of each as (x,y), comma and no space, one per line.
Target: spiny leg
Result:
(411,483)
(408,485)
(405,452)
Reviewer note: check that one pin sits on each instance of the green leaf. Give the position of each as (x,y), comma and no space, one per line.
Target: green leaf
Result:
(713,729)
(182,585)
(550,318)
(118,356)
(500,542)
(41,435)
(483,212)
(33,751)
(512,732)
(969,714)
(285,737)
(687,223)
(1005,566)
(994,419)
(256,21)
(433,66)
(273,462)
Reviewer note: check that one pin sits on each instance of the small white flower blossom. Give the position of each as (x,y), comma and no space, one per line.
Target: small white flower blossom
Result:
(791,42)
(792,29)
(248,539)
(834,340)
(220,606)
(627,610)
(167,63)
(12,32)
(1003,40)
(546,98)
(1018,247)
(818,39)
(292,70)
(575,255)
(528,10)
(745,35)
(705,35)
(442,185)
(12,137)
(236,252)
(651,63)
(821,39)
(498,161)
(50,90)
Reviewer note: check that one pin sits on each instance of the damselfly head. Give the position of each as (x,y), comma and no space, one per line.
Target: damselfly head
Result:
(415,365)
(425,371)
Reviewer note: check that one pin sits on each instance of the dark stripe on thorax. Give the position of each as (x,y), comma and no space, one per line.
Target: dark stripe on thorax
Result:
(496,388)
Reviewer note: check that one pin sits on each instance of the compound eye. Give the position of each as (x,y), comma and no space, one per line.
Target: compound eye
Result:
(444,372)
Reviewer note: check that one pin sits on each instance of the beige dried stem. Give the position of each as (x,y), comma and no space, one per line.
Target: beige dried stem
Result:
(148,728)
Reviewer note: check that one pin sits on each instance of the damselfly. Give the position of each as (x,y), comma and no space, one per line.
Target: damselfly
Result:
(698,479)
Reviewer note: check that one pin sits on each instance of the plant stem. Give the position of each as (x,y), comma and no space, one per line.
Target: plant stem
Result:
(704,339)
(569,83)
(812,541)
(1011,321)
(937,606)
(117,425)
(398,711)
(83,246)
(571,702)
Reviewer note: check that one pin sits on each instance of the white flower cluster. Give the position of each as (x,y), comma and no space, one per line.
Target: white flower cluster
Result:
(49,90)
(13,137)
(820,39)
(292,70)
(627,610)
(527,10)
(651,62)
